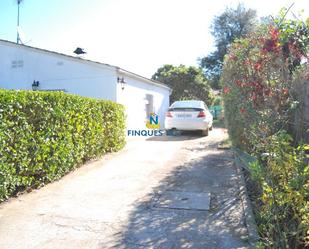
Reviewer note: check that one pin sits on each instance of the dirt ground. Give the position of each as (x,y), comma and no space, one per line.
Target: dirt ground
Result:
(160,192)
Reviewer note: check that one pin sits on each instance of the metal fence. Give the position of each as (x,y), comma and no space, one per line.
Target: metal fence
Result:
(216,111)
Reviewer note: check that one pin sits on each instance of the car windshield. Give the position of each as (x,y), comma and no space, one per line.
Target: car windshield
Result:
(187,104)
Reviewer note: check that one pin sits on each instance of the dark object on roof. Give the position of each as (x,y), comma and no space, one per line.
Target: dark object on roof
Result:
(79,51)
(83,60)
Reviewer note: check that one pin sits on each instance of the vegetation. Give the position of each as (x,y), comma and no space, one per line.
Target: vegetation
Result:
(44,135)
(186,83)
(189,82)
(258,77)
(225,144)
(226,28)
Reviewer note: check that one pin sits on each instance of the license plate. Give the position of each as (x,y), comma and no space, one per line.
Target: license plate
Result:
(184,115)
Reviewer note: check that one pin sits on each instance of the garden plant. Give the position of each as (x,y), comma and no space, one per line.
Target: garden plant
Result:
(260,104)
(45,135)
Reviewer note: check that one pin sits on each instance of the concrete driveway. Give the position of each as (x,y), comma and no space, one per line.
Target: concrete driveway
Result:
(163,192)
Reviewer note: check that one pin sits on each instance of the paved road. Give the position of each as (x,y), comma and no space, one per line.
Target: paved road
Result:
(126,201)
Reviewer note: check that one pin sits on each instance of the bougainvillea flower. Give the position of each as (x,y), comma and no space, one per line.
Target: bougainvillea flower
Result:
(232,57)
(237,82)
(274,33)
(271,45)
(257,66)
(285,91)
(226,90)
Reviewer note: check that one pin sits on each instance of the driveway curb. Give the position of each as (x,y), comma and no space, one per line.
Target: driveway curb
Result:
(243,193)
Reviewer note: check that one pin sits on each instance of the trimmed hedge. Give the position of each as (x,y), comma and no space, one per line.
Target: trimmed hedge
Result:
(44,135)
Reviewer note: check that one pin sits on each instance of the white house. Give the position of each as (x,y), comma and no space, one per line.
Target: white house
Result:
(25,67)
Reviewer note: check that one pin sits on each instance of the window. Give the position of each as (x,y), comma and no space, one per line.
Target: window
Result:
(17,63)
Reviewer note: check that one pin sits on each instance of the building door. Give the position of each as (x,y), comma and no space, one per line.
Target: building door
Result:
(149,105)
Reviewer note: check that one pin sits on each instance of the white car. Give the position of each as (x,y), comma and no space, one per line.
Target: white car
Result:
(189,115)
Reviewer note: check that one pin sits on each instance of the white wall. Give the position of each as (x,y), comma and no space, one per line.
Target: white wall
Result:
(133,97)
(90,79)
(55,72)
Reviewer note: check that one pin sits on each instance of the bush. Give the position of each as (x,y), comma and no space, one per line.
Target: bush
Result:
(258,77)
(282,205)
(257,82)
(44,135)
(259,104)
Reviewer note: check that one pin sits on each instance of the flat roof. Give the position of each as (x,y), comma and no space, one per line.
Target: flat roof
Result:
(121,70)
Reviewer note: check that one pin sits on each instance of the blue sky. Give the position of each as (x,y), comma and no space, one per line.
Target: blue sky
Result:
(137,35)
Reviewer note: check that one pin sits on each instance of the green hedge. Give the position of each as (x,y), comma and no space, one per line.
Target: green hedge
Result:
(44,135)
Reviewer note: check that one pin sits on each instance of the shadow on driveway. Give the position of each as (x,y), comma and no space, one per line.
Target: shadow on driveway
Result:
(179,136)
(221,227)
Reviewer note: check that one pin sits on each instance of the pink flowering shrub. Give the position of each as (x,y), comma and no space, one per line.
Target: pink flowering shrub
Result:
(257,78)
(259,103)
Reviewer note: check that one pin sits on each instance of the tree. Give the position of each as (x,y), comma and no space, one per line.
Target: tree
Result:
(186,82)
(230,25)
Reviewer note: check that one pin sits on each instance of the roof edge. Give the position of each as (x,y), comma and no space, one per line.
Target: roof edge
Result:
(153,82)
(78,59)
